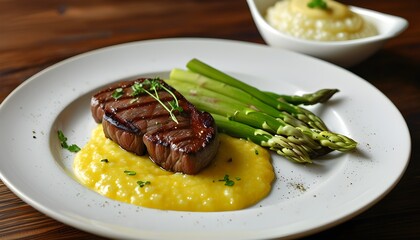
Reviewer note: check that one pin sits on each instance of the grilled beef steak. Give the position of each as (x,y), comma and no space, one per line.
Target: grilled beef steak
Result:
(139,123)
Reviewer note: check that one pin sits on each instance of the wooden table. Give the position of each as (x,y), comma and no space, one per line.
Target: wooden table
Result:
(37,34)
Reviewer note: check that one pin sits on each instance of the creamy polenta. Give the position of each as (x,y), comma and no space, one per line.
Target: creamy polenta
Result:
(240,176)
(334,22)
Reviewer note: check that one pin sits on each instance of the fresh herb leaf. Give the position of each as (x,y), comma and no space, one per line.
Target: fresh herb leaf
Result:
(117,93)
(63,139)
(147,81)
(155,85)
(143,183)
(131,173)
(63,142)
(227,181)
(73,148)
(137,89)
(318,4)
(174,106)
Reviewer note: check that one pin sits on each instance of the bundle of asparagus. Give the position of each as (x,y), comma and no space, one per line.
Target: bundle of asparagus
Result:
(274,121)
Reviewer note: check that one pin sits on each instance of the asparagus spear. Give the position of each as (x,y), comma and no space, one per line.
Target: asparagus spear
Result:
(331,140)
(296,111)
(217,103)
(319,96)
(201,81)
(278,144)
(224,105)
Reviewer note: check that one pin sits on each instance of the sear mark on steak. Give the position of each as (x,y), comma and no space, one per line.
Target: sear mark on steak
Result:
(139,124)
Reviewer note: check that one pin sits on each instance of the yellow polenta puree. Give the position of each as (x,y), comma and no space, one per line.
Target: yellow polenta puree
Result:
(126,177)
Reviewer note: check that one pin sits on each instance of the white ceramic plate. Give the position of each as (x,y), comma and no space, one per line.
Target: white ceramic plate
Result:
(304,199)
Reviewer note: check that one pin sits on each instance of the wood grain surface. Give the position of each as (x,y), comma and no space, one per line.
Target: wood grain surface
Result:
(38,34)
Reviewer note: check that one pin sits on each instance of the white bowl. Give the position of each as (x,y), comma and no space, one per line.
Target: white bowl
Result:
(343,53)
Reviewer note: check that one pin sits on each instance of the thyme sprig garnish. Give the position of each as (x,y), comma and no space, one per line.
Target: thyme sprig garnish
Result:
(151,86)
